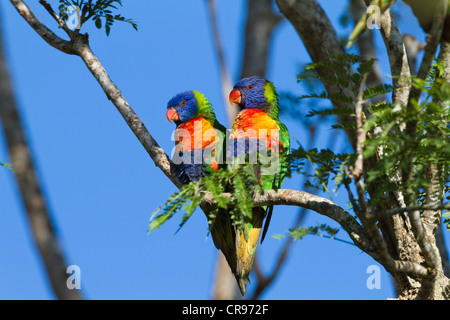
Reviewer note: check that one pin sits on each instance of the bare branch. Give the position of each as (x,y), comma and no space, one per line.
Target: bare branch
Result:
(306,200)
(348,223)
(34,201)
(424,239)
(80,47)
(398,59)
(157,154)
(46,34)
(413,48)
(415,208)
(360,132)
(321,41)
(61,23)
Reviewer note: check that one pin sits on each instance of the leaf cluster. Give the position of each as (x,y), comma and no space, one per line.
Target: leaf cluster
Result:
(100,11)
(412,151)
(346,71)
(409,138)
(322,230)
(7,165)
(327,166)
(240,182)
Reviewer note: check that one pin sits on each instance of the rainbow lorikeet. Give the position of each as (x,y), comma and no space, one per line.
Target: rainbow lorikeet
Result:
(200,143)
(256,131)
(199,137)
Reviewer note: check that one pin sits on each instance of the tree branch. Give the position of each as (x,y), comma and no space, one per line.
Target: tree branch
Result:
(46,34)
(413,48)
(393,211)
(61,23)
(398,59)
(157,154)
(321,41)
(80,46)
(33,199)
(366,47)
(328,208)
(306,200)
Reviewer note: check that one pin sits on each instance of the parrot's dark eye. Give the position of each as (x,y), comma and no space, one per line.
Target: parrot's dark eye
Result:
(183,103)
(250,86)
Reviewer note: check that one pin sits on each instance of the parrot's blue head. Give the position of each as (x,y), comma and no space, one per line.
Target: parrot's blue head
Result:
(254,93)
(188,105)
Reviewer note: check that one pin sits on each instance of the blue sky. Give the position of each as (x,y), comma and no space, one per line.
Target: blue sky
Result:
(101,185)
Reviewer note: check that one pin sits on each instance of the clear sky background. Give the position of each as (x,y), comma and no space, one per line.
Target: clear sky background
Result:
(102,186)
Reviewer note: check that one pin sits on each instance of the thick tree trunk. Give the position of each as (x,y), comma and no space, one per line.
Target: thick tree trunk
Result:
(408,241)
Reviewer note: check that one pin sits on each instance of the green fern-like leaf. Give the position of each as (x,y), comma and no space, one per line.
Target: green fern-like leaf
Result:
(100,11)
(7,165)
(172,206)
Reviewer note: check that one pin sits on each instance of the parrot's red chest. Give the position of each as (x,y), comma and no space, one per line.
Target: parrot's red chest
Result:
(256,124)
(197,133)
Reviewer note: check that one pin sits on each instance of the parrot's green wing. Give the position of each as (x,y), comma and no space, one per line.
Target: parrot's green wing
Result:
(276,181)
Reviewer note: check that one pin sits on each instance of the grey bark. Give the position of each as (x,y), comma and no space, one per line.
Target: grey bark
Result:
(34,202)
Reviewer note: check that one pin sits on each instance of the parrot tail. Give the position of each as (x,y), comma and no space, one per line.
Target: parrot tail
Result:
(223,235)
(246,243)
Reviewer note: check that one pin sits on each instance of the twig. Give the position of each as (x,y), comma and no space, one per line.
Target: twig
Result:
(157,154)
(368,219)
(398,59)
(61,23)
(80,46)
(366,47)
(413,48)
(310,201)
(355,206)
(360,132)
(393,211)
(423,239)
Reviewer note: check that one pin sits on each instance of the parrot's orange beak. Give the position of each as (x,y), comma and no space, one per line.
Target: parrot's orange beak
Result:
(172,114)
(235,96)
